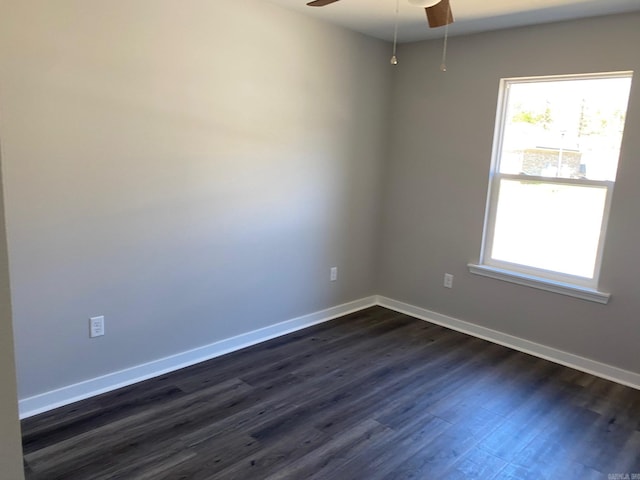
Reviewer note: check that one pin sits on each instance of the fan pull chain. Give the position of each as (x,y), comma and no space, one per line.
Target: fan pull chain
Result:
(443,65)
(394,58)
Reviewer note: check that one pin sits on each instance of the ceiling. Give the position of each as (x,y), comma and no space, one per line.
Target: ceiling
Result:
(376,17)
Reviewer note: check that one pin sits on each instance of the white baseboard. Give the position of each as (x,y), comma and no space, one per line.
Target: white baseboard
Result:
(598,369)
(112,381)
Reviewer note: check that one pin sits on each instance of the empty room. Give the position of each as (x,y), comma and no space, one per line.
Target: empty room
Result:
(350,239)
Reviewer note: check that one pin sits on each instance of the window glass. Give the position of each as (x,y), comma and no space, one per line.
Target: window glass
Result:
(565,128)
(549,226)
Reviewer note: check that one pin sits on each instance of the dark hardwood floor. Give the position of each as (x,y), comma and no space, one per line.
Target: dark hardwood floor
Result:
(373,395)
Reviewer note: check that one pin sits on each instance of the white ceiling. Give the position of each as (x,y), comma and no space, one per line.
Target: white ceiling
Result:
(376,17)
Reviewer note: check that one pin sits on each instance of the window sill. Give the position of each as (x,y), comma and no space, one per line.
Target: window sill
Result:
(541,283)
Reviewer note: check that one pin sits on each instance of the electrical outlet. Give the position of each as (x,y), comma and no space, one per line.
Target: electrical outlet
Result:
(334,274)
(96,326)
(448,280)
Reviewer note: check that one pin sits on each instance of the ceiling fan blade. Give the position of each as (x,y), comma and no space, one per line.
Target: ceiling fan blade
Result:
(440,14)
(320,3)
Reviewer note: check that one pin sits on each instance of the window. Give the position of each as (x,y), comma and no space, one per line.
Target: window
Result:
(556,150)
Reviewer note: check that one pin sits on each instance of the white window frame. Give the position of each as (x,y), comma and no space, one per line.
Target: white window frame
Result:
(576,286)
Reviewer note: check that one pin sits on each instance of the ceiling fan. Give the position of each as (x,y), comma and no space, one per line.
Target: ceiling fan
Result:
(438,11)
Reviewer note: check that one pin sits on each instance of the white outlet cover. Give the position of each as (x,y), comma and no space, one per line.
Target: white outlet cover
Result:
(448,280)
(96,326)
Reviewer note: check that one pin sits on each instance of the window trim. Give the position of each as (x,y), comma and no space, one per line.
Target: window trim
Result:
(580,287)
(572,290)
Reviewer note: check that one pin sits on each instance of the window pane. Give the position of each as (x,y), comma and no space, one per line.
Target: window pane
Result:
(549,226)
(565,128)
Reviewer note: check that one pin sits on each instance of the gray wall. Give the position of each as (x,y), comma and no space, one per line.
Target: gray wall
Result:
(189,169)
(437,177)
(10,445)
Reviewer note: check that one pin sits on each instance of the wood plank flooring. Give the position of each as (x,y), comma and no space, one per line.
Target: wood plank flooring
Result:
(372,395)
